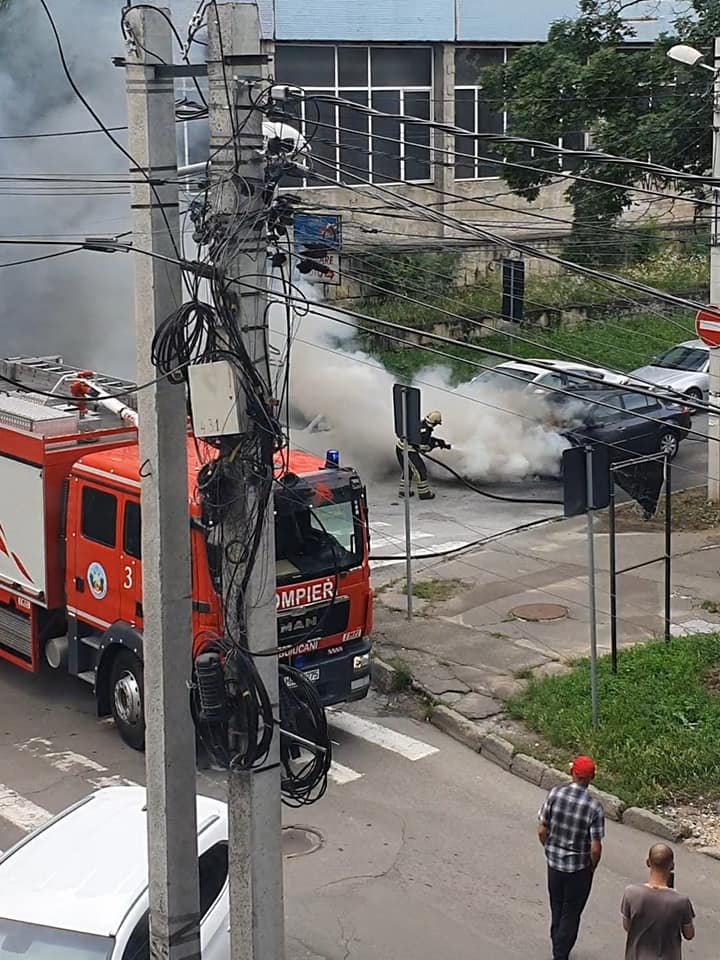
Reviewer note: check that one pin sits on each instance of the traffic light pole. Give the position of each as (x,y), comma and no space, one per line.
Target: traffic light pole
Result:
(237,74)
(166,597)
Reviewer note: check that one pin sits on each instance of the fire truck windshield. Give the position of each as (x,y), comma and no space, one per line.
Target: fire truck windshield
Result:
(312,541)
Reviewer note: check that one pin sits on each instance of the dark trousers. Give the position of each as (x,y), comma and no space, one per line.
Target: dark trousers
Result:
(418,470)
(569,893)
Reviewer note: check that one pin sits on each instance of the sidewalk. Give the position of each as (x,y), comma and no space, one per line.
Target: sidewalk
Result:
(470,651)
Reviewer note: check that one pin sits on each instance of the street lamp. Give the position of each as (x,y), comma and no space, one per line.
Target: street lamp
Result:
(682,53)
(691,57)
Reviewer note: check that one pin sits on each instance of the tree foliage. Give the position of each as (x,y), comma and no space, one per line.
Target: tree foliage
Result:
(633,102)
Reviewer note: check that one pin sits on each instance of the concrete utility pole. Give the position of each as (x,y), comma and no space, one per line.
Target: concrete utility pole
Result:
(714,418)
(237,69)
(170,736)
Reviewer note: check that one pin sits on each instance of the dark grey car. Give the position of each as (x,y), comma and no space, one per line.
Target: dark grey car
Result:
(631,424)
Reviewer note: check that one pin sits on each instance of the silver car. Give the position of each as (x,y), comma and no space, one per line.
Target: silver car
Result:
(682,369)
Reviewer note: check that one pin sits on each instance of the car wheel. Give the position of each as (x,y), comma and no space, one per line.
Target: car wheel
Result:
(668,443)
(127,691)
(693,396)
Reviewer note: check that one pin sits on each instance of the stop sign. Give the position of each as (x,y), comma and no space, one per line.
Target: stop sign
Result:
(707,325)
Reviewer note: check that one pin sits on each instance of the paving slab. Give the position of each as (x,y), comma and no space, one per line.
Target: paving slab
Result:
(476,706)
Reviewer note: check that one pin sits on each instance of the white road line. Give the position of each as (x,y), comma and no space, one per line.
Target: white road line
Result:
(381,736)
(112,781)
(340,774)
(21,812)
(67,761)
(419,552)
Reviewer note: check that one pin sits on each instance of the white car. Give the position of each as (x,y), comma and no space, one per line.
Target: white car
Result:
(77,888)
(683,369)
(538,374)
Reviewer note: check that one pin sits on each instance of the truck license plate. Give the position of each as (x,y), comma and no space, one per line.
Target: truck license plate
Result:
(313,675)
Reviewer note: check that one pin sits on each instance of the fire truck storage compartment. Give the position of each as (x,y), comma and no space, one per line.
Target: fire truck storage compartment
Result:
(16,634)
(22,529)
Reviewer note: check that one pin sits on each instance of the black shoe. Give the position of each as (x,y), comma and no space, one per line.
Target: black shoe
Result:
(401,493)
(427,496)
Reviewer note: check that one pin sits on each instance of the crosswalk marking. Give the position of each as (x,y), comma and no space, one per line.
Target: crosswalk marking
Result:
(426,551)
(68,761)
(111,781)
(25,815)
(381,736)
(21,812)
(340,774)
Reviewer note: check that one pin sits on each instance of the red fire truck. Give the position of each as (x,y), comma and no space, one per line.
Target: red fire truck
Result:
(70,558)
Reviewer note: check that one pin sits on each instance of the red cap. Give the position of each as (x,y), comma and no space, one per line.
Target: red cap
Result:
(583,767)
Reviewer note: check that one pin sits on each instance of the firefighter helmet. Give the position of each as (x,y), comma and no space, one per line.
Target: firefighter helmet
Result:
(434,418)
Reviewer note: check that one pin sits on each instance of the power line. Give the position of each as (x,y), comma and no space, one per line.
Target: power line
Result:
(464,226)
(494,161)
(600,156)
(47,256)
(436,352)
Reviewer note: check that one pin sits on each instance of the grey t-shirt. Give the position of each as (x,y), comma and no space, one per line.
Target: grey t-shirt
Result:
(656,916)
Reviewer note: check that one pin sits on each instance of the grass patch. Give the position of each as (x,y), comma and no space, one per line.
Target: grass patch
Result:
(403,674)
(613,337)
(659,736)
(712,606)
(623,342)
(436,591)
(691,510)
(526,673)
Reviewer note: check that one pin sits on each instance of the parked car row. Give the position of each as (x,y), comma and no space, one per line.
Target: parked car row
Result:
(586,403)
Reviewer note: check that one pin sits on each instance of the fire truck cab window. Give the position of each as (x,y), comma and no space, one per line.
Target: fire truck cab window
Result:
(317,541)
(131,531)
(99,516)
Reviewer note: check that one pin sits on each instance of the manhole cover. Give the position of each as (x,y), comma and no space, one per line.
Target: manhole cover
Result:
(539,611)
(300,841)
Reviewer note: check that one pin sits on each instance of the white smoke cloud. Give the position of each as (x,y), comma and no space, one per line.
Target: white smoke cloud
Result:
(495,435)
(78,305)
(81,305)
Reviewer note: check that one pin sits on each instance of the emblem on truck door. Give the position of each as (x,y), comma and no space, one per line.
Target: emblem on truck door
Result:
(97,580)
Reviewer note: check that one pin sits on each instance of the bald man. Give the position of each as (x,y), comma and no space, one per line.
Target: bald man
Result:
(655,916)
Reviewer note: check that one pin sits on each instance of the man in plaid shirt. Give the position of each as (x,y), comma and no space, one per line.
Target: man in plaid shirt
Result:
(571,826)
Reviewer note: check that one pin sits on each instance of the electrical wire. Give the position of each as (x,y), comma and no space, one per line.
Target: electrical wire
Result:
(96,117)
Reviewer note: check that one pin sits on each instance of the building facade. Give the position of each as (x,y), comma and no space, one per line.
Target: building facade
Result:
(424,59)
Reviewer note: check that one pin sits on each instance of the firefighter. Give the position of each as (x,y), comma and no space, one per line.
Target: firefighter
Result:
(418,470)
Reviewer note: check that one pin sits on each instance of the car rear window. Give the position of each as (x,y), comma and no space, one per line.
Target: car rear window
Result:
(505,378)
(682,358)
(636,401)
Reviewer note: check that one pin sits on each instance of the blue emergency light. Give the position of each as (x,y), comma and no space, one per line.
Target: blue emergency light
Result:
(332,458)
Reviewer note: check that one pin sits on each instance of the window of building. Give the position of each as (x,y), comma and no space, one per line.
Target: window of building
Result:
(475,111)
(349,145)
(99,516)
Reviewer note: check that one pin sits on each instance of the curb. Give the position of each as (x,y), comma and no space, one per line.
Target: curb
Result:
(383,676)
(503,753)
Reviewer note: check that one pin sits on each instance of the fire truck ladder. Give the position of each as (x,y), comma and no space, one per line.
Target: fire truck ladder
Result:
(45,374)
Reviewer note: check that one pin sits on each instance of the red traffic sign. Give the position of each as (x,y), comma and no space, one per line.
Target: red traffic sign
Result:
(707,325)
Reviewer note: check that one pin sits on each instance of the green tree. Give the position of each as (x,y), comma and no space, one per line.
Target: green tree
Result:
(633,102)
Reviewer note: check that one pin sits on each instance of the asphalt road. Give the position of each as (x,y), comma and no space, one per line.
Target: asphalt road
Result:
(421,858)
(458,516)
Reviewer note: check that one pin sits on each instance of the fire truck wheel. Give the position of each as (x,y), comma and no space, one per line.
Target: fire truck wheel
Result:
(126,698)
